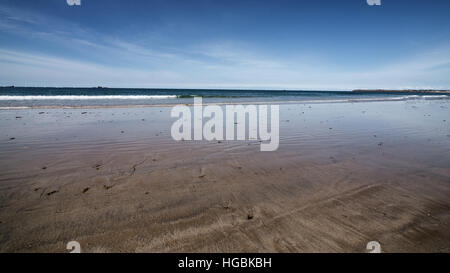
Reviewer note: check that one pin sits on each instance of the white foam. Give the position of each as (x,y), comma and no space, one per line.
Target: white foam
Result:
(435,97)
(84,97)
(156,97)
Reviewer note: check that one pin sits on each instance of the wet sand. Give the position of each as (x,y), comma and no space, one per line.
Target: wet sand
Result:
(115,181)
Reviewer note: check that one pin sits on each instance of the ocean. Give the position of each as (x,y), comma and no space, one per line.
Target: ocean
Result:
(33,97)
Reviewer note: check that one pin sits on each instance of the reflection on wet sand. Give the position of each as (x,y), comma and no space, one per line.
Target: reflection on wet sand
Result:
(114,180)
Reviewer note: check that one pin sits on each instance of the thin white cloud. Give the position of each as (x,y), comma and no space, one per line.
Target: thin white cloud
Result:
(33,69)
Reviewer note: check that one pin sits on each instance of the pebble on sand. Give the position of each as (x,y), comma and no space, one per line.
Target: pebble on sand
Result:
(52,192)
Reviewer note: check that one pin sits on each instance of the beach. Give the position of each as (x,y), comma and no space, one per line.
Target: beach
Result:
(113,179)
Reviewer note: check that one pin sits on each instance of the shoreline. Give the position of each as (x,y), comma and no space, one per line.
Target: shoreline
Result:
(318,101)
(406,91)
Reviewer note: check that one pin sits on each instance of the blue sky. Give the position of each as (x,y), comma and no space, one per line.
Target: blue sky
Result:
(309,44)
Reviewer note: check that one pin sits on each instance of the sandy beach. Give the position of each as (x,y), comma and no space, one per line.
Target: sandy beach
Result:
(114,180)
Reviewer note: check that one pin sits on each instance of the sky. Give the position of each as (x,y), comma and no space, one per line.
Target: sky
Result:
(301,44)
